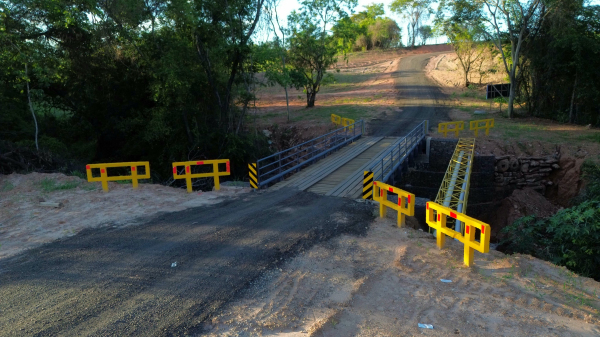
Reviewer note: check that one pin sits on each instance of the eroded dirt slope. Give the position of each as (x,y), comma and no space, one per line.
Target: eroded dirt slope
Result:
(386,283)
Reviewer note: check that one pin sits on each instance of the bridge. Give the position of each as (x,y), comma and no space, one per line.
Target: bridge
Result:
(334,164)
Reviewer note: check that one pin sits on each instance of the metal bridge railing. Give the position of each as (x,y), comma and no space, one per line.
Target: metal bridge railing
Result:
(276,166)
(397,153)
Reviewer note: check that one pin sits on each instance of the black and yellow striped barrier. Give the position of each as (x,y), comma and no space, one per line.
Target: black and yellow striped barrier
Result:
(368,185)
(253,175)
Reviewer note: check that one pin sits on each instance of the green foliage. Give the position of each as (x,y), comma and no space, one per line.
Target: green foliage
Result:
(569,238)
(415,11)
(129,80)
(7,187)
(79,174)
(366,30)
(591,176)
(50,185)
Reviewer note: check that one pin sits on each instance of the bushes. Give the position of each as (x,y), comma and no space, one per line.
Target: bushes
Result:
(570,238)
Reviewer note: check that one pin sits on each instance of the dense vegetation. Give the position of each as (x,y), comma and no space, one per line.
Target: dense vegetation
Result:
(569,238)
(550,50)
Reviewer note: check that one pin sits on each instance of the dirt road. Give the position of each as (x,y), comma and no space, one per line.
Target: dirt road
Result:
(420,99)
(118,282)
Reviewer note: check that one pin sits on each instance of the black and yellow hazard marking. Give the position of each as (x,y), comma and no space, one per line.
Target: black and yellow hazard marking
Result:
(368,185)
(253,175)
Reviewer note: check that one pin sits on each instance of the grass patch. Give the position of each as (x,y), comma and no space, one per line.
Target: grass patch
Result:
(594,137)
(7,186)
(79,174)
(50,185)
(123,182)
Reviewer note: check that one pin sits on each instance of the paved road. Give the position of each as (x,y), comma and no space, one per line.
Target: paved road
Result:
(420,99)
(119,282)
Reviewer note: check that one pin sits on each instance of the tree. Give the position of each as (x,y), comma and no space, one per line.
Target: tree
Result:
(425,32)
(414,11)
(521,19)
(280,76)
(312,48)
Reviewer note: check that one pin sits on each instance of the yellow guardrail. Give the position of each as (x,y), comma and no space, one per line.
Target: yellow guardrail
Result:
(188,175)
(477,125)
(104,178)
(437,221)
(335,119)
(445,127)
(348,122)
(405,205)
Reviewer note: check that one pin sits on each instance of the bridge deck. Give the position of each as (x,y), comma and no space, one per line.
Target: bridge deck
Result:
(341,173)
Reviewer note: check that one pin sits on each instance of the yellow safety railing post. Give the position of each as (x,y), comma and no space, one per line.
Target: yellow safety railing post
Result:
(405,205)
(134,180)
(468,239)
(476,126)
(188,176)
(104,178)
(444,127)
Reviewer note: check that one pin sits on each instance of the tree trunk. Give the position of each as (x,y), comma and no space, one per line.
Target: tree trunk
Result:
(511,96)
(310,99)
(571,115)
(32,112)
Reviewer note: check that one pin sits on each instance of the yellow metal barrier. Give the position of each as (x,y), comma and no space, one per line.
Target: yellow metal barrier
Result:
(477,125)
(405,205)
(367,185)
(348,122)
(437,221)
(188,171)
(253,175)
(444,127)
(335,119)
(104,178)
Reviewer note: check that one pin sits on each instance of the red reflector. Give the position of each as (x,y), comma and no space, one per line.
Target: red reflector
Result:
(227,167)
(439,217)
(381,193)
(87,167)
(391,189)
(200,163)
(468,229)
(102,170)
(452,214)
(374,183)
(174,169)
(133,168)
(187,169)
(427,205)
(409,201)
(482,229)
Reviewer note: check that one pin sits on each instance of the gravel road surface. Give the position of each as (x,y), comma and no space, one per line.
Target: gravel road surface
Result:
(420,99)
(120,281)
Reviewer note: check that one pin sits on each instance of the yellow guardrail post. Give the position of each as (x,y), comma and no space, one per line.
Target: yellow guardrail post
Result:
(104,178)
(444,127)
(348,122)
(368,185)
(253,175)
(476,126)
(405,205)
(437,221)
(188,171)
(335,119)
